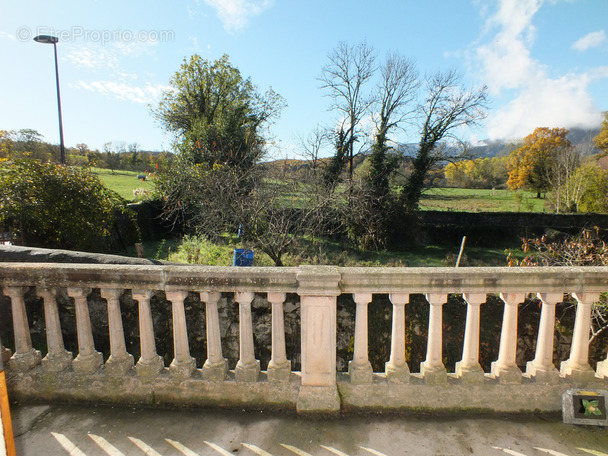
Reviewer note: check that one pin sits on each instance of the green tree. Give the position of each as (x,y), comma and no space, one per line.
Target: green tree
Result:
(55,206)
(217,116)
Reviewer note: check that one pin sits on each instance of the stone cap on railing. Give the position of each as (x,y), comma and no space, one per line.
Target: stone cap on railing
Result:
(311,280)
(475,279)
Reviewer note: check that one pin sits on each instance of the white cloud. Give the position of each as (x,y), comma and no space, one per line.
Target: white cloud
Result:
(537,99)
(591,40)
(123,91)
(7,35)
(93,57)
(235,14)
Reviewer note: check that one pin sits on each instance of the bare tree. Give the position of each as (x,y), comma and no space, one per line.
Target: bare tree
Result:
(311,148)
(448,106)
(370,224)
(344,78)
(396,94)
(566,184)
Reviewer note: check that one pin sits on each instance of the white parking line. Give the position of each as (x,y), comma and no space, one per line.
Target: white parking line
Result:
(67,444)
(106,446)
(217,448)
(256,450)
(372,451)
(295,450)
(511,452)
(551,452)
(180,447)
(333,450)
(593,452)
(143,446)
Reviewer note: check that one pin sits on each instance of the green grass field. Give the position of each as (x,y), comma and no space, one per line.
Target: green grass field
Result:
(474,200)
(436,199)
(123,182)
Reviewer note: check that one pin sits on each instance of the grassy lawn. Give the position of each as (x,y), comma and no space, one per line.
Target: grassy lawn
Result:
(474,200)
(123,182)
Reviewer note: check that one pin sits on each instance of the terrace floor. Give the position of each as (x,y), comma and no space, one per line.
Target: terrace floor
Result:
(99,430)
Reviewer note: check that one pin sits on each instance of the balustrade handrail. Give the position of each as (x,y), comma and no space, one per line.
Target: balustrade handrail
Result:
(308,278)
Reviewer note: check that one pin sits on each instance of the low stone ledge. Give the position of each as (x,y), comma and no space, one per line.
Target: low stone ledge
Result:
(164,390)
(455,395)
(490,396)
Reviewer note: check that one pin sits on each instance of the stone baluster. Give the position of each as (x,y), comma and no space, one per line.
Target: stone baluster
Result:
(150,364)
(88,360)
(468,369)
(432,369)
(57,358)
(360,369)
(279,367)
(318,287)
(576,368)
(183,365)
(247,368)
(396,368)
(216,366)
(119,362)
(505,368)
(541,369)
(25,356)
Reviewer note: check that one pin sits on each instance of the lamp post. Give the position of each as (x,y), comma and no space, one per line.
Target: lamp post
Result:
(49,39)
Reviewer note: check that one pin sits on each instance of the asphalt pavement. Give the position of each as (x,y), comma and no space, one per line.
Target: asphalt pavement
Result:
(48,430)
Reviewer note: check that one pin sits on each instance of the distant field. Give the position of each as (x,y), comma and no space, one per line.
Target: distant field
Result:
(123,182)
(436,199)
(470,200)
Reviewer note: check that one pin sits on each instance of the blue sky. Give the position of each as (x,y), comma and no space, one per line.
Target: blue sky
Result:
(545,61)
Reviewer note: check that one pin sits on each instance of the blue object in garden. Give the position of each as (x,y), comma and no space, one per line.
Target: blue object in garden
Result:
(242,257)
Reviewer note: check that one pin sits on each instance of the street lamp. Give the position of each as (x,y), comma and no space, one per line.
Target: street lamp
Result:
(48,39)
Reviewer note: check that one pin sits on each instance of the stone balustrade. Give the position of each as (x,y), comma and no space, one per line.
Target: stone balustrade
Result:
(86,376)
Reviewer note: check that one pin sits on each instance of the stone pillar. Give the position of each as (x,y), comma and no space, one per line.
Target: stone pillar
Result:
(57,358)
(279,367)
(505,368)
(318,289)
(360,369)
(396,368)
(216,366)
(577,368)
(247,368)
(88,360)
(541,369)
(432,369)
(25,356)
(150,364)
(183,364)
(119,362)
(468,369)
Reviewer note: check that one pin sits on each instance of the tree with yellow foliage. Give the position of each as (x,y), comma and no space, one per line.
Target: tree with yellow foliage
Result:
(601,140)
(532,164)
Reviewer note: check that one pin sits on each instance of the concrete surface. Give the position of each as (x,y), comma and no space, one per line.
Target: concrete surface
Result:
(95,430)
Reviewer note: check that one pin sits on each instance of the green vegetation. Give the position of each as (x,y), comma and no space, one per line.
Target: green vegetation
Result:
(481,200)
(125,183)
(198,250)
(55,206)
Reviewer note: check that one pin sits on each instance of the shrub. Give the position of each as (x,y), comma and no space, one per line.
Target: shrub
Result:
(55,206)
